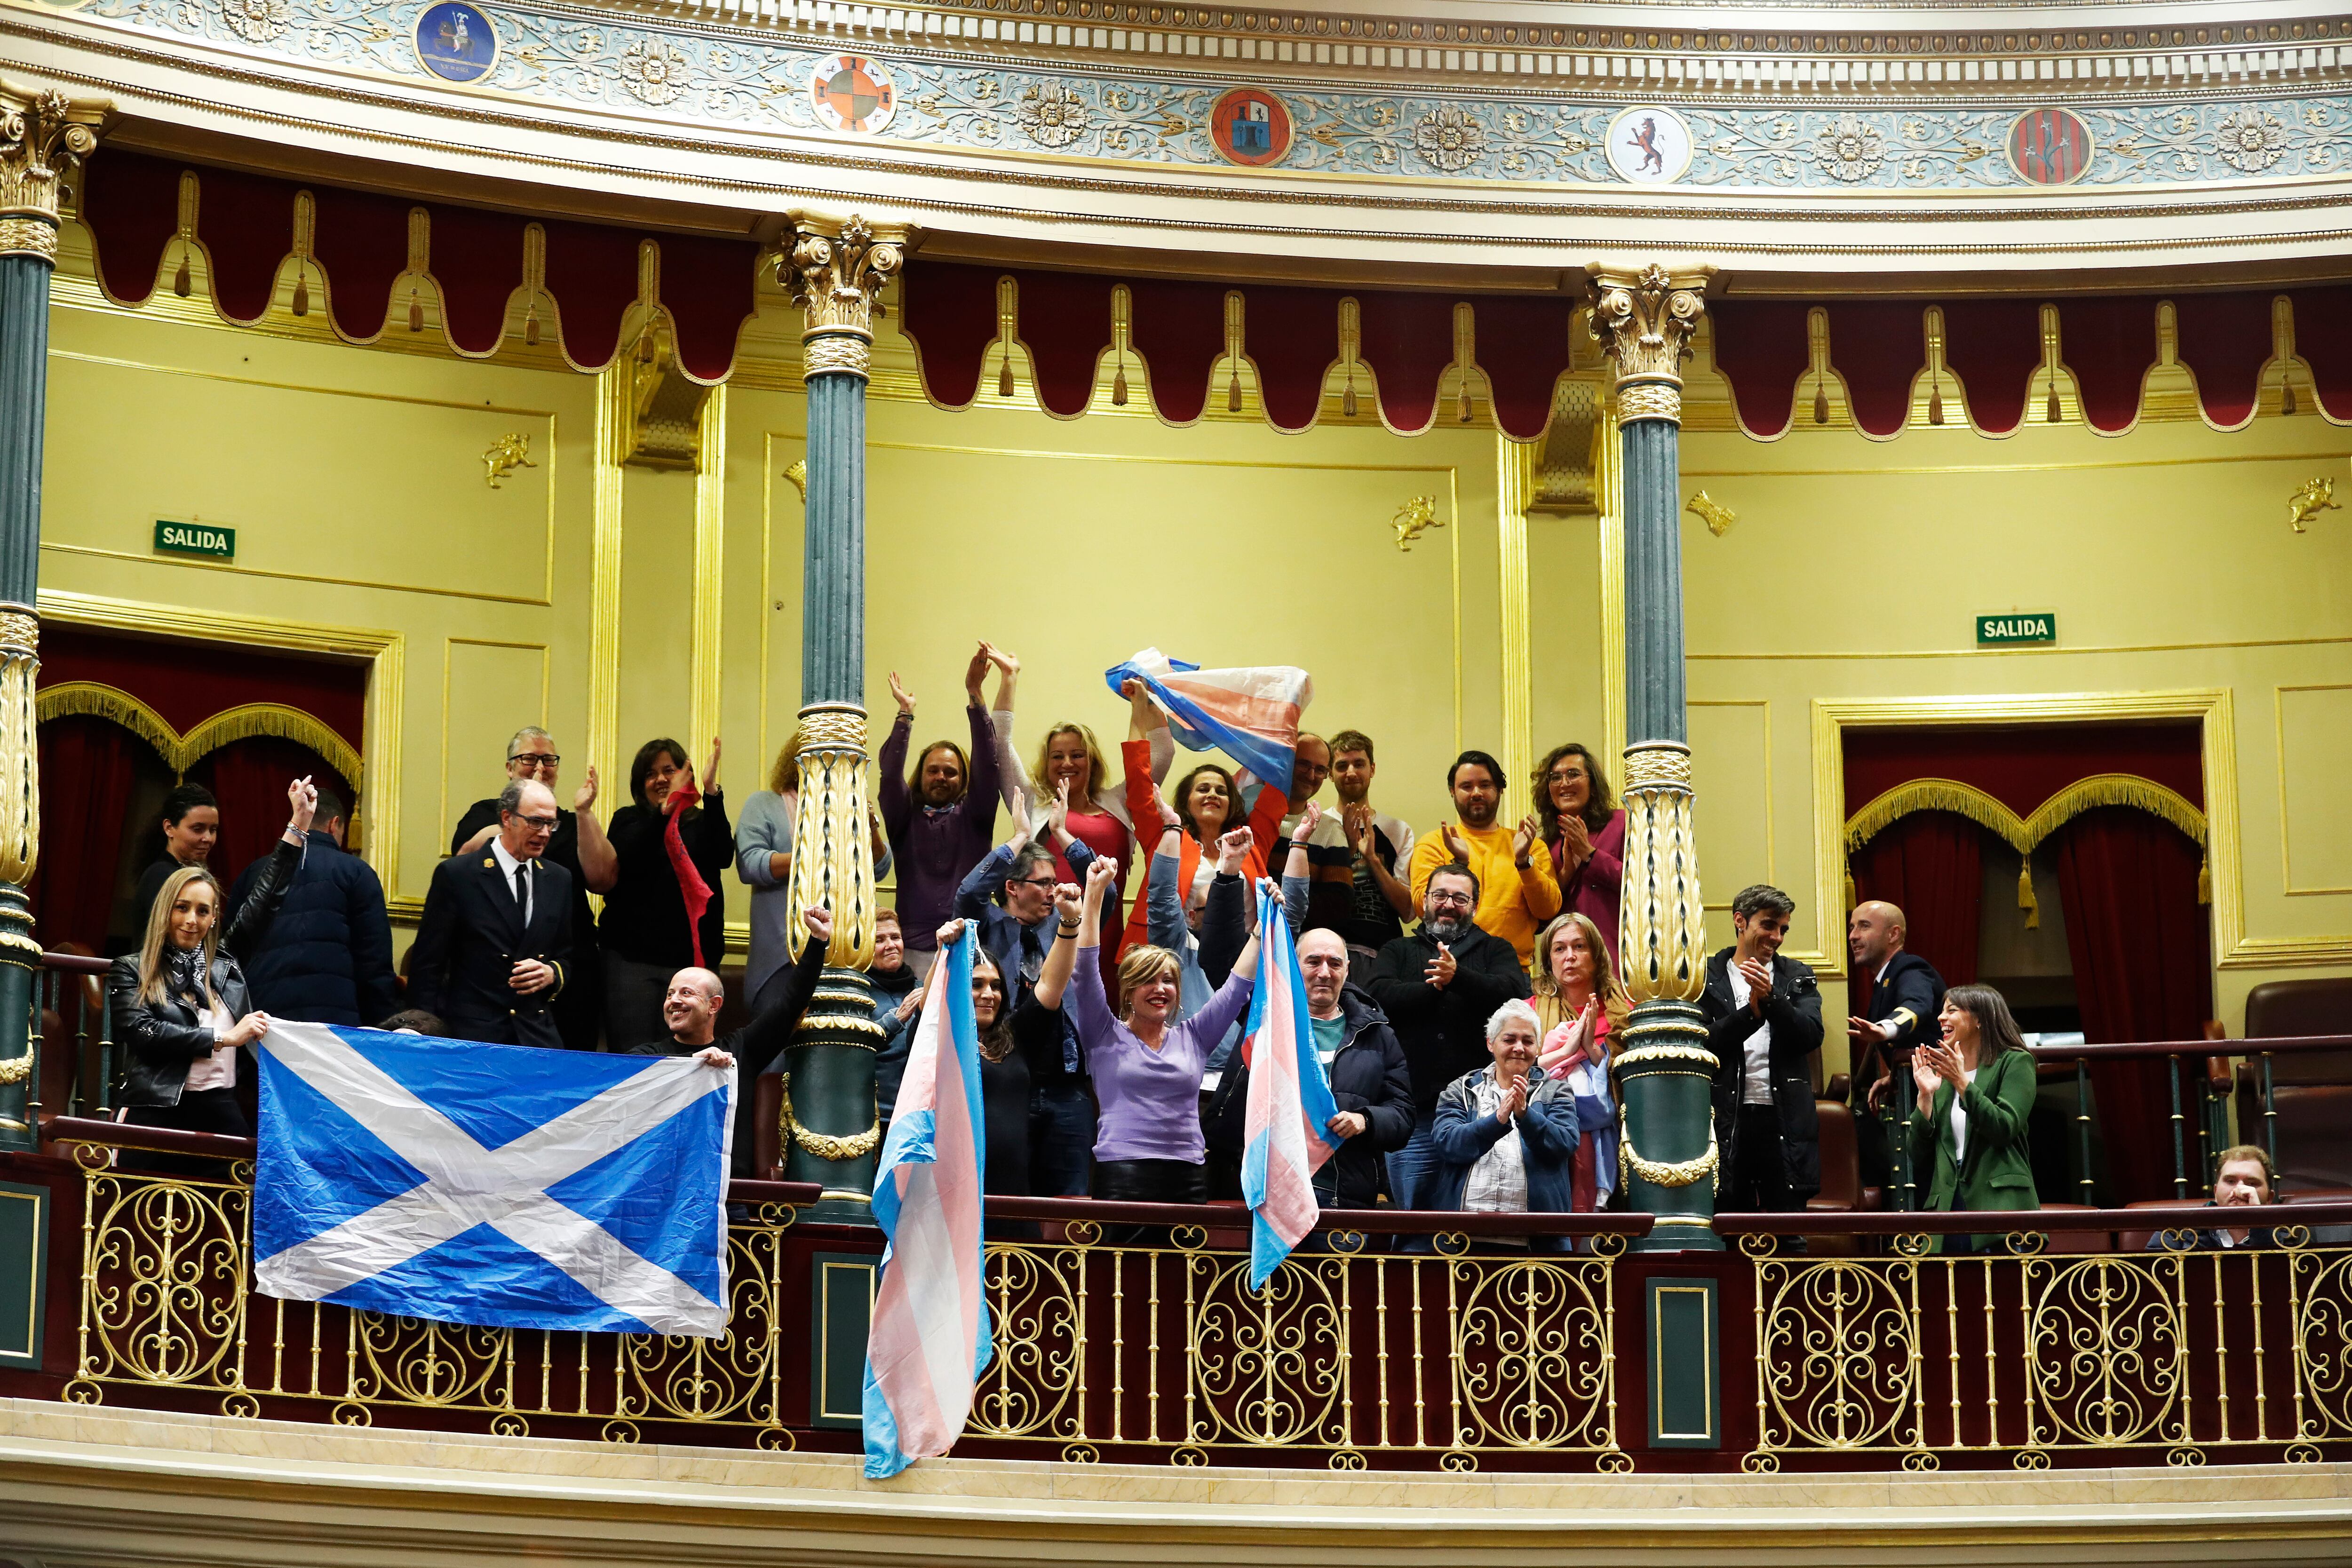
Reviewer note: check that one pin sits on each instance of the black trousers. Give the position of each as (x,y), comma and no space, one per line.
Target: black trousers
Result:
(199,1110)
(1152,1182)
(1759,1176)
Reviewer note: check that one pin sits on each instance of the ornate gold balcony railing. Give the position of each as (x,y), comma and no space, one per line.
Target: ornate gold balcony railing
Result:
(1127,1332)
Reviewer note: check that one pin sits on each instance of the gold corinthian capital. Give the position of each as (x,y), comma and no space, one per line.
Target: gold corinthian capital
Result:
(835,272)
(43,137)
(1643,322)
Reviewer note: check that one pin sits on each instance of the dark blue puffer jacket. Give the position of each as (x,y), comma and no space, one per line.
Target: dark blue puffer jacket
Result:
(328,956)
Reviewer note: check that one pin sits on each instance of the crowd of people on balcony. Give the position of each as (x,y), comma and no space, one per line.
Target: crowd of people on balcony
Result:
(1462,982)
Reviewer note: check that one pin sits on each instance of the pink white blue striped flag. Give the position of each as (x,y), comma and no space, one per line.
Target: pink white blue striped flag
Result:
(1290,1105)
(1250,713)
(930,1336)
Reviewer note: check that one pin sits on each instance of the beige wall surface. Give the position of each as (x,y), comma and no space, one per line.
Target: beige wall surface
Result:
(367,528)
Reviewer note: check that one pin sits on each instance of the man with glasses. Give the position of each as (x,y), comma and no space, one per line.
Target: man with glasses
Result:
(1009,894)
(1438,986)
(580,847)
(495,942)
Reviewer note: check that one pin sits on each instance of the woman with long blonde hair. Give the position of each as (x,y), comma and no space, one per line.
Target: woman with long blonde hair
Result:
(1579,1005)
(180,1004)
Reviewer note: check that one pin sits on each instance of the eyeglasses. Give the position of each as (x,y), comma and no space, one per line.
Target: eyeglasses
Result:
(535,760)
(1451,900)
(1033,882)
(543,824)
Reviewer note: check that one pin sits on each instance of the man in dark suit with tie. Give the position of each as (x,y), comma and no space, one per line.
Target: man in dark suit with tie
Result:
(491,947)
(1905,996)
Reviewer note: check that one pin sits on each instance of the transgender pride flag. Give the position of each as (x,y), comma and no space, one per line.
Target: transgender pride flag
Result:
(930,1336)
(1290,1104)
(1249,713)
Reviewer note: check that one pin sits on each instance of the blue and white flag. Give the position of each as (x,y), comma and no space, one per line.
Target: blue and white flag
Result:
(502,1186)
(1250,713)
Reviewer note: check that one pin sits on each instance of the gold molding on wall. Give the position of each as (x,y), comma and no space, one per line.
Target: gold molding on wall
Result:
(614,408)
(2278,734)
(1609,490)
(710,573)
(385,651)
(1772,836)
(1515,476)
(546,670)
(770,471)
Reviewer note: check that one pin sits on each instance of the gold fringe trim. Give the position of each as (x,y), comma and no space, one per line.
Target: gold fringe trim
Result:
(180,753)
(2024,835)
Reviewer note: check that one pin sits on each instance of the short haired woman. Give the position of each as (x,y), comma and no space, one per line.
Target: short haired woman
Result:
(644,933)
(1586,833)
(763,859)
(1976,1088)
(1147,1066)
(1505,1136)
(191,824)
(180,1002)
(1580,1008)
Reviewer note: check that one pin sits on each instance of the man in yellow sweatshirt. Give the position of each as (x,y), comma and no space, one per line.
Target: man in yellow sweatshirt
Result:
(1518,889)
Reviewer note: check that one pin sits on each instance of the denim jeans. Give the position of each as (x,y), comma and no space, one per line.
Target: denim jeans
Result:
(1060,1139)
(1408,1166)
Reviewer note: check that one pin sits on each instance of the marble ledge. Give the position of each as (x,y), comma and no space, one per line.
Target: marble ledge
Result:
(60,1448)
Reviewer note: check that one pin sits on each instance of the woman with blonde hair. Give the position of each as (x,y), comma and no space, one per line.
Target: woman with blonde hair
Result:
(180,1004)
(1579,1006)
(764,860)
(1145,1066)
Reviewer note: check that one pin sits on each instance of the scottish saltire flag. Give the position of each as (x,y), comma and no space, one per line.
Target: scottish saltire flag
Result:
(502,1186)
(1290,1105)
(1249,713)
(929,1337)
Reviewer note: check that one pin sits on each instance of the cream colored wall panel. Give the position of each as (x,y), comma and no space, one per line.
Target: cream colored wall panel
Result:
(657,622)
(1731,752)
(484,687)
(2314,763)
(1564,635)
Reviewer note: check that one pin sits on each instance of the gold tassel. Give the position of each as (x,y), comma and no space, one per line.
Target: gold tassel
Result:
(530,326)
(2287,405)
(301,293)
(2205,879)
(1821,403)
(1118,386)
(1462,405)
(1347,399)
(2025,899)
(1850,899)
(1234,392)
(2050,410)
(1005,374)
(416,311)
(1935,405)
(180,278)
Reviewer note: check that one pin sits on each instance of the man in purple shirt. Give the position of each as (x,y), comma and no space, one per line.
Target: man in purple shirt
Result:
(941,820)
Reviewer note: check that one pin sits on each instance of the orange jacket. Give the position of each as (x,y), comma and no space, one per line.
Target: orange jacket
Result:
(1152,818)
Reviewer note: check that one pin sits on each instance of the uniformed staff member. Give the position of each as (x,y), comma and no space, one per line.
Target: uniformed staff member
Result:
(1905,994)
(496,931)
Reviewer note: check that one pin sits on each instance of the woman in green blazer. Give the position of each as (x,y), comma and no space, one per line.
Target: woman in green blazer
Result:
(1976,1090)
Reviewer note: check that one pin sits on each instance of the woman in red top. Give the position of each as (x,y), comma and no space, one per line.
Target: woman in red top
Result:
(1207,801)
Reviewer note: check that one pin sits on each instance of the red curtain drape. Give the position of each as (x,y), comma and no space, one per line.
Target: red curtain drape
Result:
(1929,865)
(249,777)
(87,768)
(2142,956)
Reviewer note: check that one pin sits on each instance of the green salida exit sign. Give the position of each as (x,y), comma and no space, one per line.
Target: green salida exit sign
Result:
(195,539)
(2006,631)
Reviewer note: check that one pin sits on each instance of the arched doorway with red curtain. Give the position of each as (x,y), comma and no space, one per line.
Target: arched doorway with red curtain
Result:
(1973,829)
(123,718)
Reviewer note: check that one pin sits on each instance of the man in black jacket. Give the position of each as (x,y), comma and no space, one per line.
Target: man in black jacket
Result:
(1764,1024)
(328,956)
(1369,1081)
(1437,987)
(496,935)
(1905,996)
(691,1010)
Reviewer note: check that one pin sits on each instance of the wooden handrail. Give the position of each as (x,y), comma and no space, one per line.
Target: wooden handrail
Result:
(2284,1045)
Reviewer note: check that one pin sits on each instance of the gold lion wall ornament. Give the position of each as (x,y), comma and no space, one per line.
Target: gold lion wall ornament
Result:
(2315,497)
(1414,518)
(506,454)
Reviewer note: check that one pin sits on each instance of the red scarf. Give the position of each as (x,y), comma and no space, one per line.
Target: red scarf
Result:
(690,885)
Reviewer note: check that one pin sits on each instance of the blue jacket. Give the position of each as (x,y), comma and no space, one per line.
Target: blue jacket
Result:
(327,958)
(1548,1137)
(1000,933)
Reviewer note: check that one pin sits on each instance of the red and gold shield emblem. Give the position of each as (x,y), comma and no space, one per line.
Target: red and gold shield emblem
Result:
(2050,146)
(1249,126)
(853,93)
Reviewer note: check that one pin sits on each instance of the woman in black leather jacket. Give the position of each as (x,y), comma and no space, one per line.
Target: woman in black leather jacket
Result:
(180,1002)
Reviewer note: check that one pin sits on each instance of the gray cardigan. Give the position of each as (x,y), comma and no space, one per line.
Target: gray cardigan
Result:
(765,828)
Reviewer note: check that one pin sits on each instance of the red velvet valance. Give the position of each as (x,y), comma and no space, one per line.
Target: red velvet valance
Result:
(187,682)
(360,244)
(2025,764)
(1290,335)
(1993,346)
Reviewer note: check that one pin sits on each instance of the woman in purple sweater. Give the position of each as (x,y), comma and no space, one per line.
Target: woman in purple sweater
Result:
(942,821)
(1586,833)
(1145,1066)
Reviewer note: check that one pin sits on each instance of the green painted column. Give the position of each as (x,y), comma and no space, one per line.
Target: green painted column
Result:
(830,1130)
(1665,1071)
(43,137)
